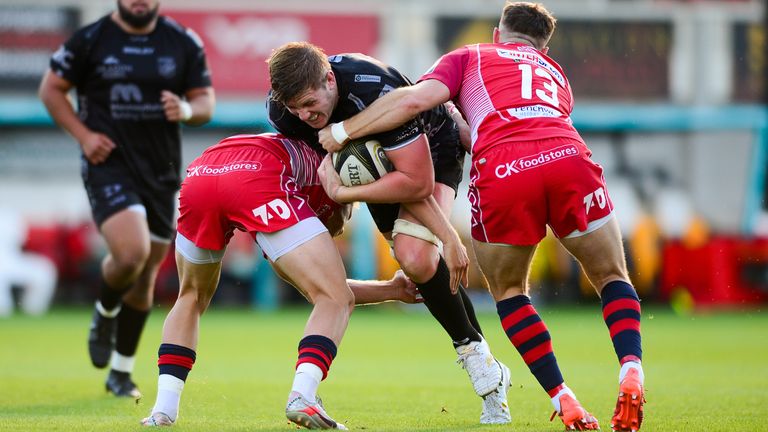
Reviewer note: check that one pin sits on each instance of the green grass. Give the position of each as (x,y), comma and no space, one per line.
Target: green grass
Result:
(395,371)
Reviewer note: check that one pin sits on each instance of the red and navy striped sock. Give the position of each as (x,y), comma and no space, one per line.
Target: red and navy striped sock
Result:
(318,350)
(175,360)
(621,312)
(530,336)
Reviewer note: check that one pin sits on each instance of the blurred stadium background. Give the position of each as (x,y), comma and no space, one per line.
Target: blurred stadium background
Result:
(671,97)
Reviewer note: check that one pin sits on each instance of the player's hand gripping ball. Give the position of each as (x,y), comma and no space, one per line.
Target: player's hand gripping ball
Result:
(361,162)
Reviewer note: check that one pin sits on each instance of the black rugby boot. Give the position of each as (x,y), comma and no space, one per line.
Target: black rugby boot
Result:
(101,339)
(121,385)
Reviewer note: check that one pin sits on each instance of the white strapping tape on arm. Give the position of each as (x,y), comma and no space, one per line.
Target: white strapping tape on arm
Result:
(186,110)
(339,133)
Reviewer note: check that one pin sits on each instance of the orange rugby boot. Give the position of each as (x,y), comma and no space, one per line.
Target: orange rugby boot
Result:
(628,415)
(575,417)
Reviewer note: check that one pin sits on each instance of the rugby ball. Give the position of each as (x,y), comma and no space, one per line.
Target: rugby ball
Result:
(361,162)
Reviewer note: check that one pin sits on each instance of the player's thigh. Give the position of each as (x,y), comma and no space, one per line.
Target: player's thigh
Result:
(157,252)
(600,253)
(445,197)
(316,268)
(198,279)
(127,235)
(161,213)
(508,203)
(505,267)
(577,199)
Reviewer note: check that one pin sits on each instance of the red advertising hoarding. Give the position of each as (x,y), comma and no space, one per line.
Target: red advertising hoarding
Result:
(29,34)
(238,43)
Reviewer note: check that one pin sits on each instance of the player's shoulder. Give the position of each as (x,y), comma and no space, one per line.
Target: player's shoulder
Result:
(89,32)
(184,33)
(357,68)
(236,143)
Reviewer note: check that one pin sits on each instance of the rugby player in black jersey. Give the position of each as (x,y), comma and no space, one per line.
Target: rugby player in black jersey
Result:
(410,205)
(137,75)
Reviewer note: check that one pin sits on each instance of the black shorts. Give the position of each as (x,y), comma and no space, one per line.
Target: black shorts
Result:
(384,216)
(448,160)
(447,154)
(112,189)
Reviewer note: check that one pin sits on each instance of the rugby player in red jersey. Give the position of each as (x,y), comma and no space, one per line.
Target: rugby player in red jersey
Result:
(266,185)
(530,169)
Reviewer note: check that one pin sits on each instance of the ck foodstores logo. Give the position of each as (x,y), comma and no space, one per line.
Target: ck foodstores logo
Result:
(506,169)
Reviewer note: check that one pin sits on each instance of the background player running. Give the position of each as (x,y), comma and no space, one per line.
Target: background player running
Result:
(138,75)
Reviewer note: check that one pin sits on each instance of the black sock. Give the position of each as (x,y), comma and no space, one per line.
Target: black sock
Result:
(470,310)
(448,309)
(110,297)
(130,323)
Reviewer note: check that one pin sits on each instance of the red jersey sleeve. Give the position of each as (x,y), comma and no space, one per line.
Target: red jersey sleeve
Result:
(449,70)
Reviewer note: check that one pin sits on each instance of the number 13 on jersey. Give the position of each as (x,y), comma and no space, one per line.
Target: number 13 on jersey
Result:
(549,91)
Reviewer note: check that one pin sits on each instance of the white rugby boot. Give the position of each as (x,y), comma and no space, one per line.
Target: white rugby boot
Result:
(157,419)
(483,370)
(310,415)
(495,407)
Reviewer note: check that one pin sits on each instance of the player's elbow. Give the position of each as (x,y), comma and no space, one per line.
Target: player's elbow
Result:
(45,93)
(412,104)
(423,189)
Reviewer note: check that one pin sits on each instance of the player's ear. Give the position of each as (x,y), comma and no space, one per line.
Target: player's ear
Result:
(495,35)
(330,80)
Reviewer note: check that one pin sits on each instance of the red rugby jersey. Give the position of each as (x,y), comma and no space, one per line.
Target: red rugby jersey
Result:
(508,92)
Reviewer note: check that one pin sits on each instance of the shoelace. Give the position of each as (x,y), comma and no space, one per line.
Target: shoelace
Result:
(318,402)
(465,356)
(103,329)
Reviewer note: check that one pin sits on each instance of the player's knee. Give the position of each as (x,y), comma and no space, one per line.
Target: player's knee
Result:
(194,298)
(344,298)
(341,299)
(418,264)
(601,283)
(202,301)
(130,262)
(601,275)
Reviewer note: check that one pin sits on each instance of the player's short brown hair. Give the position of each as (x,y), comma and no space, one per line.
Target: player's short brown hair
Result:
(295,68)
(531,19)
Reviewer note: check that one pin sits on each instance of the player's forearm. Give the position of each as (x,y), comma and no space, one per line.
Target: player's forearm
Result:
(465,133)
(393,187)
(202,104)
(369,292)
(384,114)
(63,113)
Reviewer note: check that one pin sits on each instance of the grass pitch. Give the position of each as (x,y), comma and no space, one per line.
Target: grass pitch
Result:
(395,371)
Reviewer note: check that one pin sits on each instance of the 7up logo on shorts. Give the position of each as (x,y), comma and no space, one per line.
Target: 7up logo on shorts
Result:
(274,208)
(596,198)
